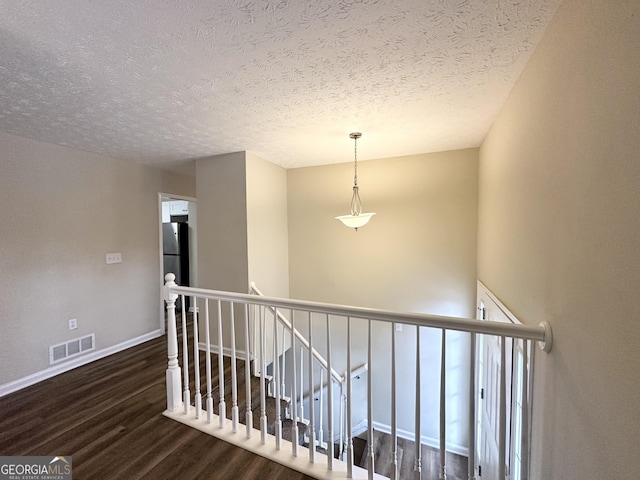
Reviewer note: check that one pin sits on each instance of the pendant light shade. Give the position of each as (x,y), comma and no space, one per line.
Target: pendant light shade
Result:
(356,219)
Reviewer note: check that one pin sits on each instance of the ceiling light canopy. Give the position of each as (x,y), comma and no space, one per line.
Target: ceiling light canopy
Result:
(356,219)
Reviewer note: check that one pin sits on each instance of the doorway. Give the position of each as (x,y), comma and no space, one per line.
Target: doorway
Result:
(488,374)
(178,241)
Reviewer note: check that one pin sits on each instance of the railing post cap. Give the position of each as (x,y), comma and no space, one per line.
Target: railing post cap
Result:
(169,281)
(548,337)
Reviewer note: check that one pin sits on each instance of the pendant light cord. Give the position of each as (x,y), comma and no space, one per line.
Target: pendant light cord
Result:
(356,204)
(355,161)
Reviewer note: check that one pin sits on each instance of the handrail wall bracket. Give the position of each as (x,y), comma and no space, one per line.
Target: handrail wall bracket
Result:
(547,343)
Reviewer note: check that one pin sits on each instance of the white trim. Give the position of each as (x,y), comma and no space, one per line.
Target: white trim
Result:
(226,351)
(161,262)
(483,288)
(24,382)
(172,196)
(359,428)
(424,439)
(283,456)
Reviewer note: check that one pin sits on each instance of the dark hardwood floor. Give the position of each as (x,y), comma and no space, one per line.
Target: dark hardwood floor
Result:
(108,416)
(430,458)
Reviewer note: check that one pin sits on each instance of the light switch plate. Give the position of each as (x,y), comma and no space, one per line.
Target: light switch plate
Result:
(73,324)
(113,258)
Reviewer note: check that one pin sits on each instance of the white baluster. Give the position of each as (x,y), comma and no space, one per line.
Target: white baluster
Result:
(263,368)
(320,419)
(209,402)
(417,468)
(234,373)
(524,449)
(348,407)
(174,388)
(394,410)
(472,407)
(247,373)
(276,378)
(343,420)
(222,407)
(312,420)
(502,435)
(371,452)
(301,384)
(196,365)
(255,341)
(185,358)
(295,436)
(524,434)
(283,372)
(274,356)
(330,452)
(443,406)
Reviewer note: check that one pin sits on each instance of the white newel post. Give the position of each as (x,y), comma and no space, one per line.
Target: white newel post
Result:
(174,382)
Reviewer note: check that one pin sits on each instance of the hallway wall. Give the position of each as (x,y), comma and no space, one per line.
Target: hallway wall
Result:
(559,232)
(61,211)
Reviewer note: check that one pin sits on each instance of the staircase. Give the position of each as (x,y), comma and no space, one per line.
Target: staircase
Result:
(270,401)
(246,391)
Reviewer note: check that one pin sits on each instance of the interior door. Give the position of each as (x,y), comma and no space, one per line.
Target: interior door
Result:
(488,411)
(489,366)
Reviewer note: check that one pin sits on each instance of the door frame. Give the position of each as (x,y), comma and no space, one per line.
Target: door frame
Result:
(161,196)
(513,382)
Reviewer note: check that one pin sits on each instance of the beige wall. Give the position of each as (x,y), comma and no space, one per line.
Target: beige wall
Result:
(560,231)
(242,228)
(61,211)
(222,222)
(417,254)
(242,224)
(267,227)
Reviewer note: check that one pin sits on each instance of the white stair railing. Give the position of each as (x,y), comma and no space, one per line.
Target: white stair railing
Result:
(328,377)
(284,321)
(187,408)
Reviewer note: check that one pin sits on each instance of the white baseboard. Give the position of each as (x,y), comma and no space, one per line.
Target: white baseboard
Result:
(359,428)
(19,384)
(226,351)
(425,440)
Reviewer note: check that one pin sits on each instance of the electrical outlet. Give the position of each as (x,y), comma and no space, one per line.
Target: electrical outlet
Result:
(113,258)
(73,324)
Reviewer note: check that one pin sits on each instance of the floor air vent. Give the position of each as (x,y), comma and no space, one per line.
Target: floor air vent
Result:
(71,348)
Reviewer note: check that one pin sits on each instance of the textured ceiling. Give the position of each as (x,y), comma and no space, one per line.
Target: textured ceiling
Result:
(164,81)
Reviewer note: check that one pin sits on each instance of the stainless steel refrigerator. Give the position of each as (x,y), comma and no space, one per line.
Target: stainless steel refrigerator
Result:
(175,245)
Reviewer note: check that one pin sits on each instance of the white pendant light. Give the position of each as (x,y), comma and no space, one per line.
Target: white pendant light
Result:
(357,219)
